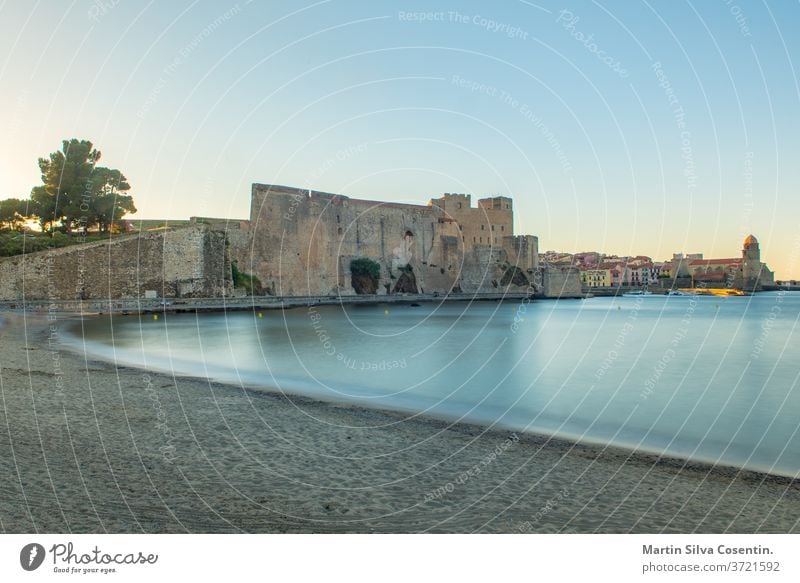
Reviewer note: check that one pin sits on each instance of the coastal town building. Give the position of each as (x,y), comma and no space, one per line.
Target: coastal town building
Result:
(599,271)
(593,278)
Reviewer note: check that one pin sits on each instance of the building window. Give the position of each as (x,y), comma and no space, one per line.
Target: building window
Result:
(338,220)
(340,230)
(502,227)
(492,227)
(481,239)
(473,239)
(483,227)
(459,205)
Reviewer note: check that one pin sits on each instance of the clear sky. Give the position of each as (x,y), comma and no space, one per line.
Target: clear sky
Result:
(620,126)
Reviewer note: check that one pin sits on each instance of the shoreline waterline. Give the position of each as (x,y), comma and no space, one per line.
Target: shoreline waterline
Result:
(296,388)
(559,441)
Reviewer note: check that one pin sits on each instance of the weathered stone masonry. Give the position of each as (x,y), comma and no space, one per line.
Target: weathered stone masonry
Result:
(187,262)
(302,243)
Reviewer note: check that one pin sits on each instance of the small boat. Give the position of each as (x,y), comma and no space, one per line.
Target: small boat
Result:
(675,292)
(638,292)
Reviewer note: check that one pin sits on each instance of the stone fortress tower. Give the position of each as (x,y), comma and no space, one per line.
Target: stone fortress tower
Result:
(304,242)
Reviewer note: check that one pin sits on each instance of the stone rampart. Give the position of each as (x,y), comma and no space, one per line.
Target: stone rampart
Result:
(185,262)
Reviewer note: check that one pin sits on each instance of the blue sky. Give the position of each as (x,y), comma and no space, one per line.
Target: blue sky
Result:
(625,127)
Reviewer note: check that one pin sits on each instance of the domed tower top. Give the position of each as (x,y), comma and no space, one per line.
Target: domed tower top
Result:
(751,251)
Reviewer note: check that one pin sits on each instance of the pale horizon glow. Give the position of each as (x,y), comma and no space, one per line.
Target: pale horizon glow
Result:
(629,128)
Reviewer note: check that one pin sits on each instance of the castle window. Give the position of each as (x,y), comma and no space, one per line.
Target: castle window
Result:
(492,227)
(502,227)
(340,230)
(338,219)
(473,239)
(483,227)
(481,239)
(459,205)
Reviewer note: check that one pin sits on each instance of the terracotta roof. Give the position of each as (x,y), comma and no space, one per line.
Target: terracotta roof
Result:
(730,261)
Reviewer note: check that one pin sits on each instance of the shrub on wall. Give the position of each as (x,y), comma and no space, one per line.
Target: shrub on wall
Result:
(365,275)
(364,266)
(244,280)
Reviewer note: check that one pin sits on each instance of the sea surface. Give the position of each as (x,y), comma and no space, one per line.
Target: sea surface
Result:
(707,378)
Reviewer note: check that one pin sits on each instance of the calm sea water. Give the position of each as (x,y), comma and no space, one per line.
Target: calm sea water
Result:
(707,378)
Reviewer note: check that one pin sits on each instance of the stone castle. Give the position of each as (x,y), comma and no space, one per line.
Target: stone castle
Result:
(303,243)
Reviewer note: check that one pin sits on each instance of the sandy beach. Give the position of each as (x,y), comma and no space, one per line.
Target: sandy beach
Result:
(86,446)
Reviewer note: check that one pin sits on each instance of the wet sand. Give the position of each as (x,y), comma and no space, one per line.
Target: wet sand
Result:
(86,446)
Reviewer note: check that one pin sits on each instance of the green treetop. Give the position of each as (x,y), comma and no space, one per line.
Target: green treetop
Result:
(76,192)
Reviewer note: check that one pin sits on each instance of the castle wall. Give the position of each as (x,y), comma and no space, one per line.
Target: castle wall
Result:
(561,282)
(298,238)
(525,251)
(188,262)
(302,243)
